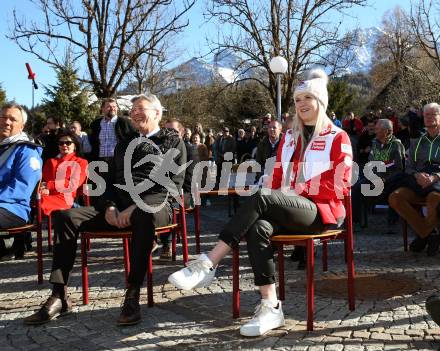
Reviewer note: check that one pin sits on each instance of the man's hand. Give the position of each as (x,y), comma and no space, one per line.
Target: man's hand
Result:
(425,180)
(111,216)
(124,217)
(432,179)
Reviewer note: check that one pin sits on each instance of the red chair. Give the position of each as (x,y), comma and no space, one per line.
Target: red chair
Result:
(195,211)
(307,240)
(419,206)
(86,199)
(125,235)
(33,227)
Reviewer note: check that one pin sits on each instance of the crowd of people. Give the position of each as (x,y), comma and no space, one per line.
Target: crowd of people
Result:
(313,153)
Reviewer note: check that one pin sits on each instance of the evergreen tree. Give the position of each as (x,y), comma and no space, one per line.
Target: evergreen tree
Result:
(66,99)
(340,98)
(2,96)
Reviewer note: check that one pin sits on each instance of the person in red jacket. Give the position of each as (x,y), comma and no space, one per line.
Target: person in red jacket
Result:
(353,125)
(63,175)
(305,194)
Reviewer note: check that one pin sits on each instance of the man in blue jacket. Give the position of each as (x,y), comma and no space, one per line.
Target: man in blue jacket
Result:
(20,171)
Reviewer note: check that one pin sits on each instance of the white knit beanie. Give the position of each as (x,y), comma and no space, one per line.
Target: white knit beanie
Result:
(316,85)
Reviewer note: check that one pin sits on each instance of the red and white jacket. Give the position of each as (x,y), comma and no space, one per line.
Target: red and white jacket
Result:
(325,167)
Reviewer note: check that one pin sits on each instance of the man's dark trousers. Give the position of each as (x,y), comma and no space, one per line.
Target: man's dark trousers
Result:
(9,220)
(68,224)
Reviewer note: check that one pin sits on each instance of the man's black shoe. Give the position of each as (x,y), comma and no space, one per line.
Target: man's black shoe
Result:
(433,307)
(19,252)
(52,308)
(4,252)
(433,244)
(131,310)
(418,244)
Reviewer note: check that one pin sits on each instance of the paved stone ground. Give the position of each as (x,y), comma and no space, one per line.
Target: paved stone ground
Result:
(201,320)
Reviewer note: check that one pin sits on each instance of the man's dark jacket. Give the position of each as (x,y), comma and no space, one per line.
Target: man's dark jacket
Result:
(265,151)
(50,144)
(123,129)
(165,140)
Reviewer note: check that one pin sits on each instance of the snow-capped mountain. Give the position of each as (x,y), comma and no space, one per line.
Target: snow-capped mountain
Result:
(363,51)
(225,67)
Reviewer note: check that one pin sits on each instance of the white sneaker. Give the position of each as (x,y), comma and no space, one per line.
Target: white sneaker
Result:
(197,274)
(266,318)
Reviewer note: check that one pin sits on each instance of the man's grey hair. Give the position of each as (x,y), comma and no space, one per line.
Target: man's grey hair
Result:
(385,124)
(10,105)
(152,100)
(277,123)
(431,106)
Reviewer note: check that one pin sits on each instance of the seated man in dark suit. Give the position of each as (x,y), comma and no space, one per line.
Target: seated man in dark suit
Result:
(154,165)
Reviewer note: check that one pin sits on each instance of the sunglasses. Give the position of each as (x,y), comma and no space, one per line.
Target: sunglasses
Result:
(67,142)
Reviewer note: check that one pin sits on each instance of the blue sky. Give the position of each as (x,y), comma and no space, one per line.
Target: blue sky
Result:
(13,74)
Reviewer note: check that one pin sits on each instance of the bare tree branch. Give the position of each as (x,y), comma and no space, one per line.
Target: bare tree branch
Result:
(299,31)
(426,28)
(101,32)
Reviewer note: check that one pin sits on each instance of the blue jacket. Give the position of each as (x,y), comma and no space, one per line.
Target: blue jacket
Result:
(19,175)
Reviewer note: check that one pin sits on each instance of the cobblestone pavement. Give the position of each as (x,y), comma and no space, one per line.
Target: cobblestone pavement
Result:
(202,320)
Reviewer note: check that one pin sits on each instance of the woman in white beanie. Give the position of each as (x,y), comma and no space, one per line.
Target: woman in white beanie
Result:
(306,193)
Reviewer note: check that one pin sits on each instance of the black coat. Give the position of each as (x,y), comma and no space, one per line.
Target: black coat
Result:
(164,140)
(50,145)
(265,151)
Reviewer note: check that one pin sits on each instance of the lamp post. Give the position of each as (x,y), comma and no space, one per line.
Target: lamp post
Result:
(278,65)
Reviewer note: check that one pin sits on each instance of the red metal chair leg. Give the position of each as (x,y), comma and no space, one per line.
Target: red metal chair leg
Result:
(349,245)
(173,245)
(345,251)
(310,284)
(324,256)
(126,259)
(405,234)
(197,227)
(281,282)
(236,282)
(350,275)
(39,256)
(85,271)
(150,281)
(177,231)
(49,232)
(184,237)
(89,245)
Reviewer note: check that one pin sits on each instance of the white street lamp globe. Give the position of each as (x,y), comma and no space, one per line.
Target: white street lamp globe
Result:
(278,65)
